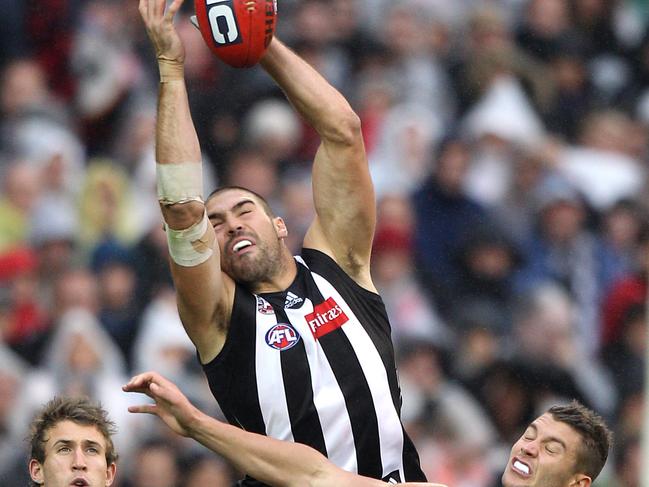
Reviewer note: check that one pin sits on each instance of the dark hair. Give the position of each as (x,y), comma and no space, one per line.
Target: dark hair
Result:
(267,209)
(595,435)
(79,410)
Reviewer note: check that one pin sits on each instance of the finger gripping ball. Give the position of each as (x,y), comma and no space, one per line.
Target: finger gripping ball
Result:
(237,31)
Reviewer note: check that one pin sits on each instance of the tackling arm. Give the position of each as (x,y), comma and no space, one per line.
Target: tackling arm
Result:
(277,463)
(342,188)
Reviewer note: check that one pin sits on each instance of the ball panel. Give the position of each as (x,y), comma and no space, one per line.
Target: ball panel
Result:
(237,31)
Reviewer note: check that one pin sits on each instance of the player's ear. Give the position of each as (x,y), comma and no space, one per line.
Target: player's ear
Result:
(36,471)
(581,480)
(280,227)
(110,473)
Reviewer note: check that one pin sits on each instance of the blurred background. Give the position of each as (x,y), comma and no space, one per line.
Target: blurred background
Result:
(508,141)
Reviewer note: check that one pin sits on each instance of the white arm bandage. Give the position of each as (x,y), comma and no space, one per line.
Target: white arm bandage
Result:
(192,246)
(179,183)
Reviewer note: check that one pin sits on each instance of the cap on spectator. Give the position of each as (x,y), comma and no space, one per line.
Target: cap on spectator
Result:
(17,262)
(40,139)
(110,252)
(505,112)
(270,119)
(53,220)
(555,190)
(482,314)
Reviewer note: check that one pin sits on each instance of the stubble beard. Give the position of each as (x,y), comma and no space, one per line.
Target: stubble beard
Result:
(262,267)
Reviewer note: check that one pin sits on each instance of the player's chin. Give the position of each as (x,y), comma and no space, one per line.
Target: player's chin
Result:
(510,480)
(245,272)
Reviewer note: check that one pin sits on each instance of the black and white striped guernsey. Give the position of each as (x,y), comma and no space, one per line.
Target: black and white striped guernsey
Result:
(315,364)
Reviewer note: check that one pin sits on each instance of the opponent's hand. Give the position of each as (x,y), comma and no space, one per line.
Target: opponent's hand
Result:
(171,405)
(158,21)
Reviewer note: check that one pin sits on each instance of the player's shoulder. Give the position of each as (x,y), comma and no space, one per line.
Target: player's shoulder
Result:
(340,276)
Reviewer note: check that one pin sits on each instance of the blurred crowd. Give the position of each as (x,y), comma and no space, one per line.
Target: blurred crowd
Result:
(508,141)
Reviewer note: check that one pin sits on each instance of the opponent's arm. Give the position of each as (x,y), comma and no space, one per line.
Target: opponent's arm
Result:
(342,188)
(274,462)
(201,288)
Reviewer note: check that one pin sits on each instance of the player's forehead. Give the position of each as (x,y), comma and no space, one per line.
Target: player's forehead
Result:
(70,431)
(547,425)
(227,199)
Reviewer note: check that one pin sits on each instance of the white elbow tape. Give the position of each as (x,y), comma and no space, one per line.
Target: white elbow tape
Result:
(179,183)
(192,246)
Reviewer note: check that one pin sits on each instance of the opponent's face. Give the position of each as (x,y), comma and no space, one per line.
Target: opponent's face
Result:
(545,456)
(250,241)
(75,455)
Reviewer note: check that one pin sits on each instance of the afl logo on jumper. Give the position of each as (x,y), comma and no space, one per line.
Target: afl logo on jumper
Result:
(326,317)
(282,336)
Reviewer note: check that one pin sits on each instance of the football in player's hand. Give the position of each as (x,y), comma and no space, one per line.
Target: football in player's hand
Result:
(237,31)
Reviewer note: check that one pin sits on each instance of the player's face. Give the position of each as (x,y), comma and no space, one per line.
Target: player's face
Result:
(75,455)
(545,456)
(249,240)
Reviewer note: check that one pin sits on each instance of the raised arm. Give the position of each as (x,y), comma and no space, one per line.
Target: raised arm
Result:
(274,462)
(342,188)
(203,292)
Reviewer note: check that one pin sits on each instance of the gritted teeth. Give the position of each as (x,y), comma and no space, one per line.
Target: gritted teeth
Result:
(241,244)
(521,467)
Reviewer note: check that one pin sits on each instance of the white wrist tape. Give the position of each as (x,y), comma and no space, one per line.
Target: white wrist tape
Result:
(192,246)
(179,183)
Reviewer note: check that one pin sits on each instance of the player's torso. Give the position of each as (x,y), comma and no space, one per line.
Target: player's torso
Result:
(315,364)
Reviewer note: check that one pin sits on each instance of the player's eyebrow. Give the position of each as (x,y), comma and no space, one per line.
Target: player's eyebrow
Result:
(242,203)
(66,442)
(548,439)
(235,207)
(63,441)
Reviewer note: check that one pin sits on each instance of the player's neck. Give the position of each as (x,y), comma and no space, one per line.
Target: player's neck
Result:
(281,280)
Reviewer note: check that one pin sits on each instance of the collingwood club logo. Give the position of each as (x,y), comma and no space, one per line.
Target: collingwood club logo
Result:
(264,306)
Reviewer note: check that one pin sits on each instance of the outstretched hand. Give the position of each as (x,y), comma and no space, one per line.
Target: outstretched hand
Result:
(158,21)
(171,405)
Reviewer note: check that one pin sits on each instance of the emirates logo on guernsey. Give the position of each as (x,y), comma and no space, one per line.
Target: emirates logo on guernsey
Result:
(326,317)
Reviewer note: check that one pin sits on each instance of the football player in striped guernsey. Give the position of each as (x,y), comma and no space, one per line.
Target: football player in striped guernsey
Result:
(294,347)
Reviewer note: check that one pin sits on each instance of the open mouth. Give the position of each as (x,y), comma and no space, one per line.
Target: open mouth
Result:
(521,468)
(80,482)
(240,245)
